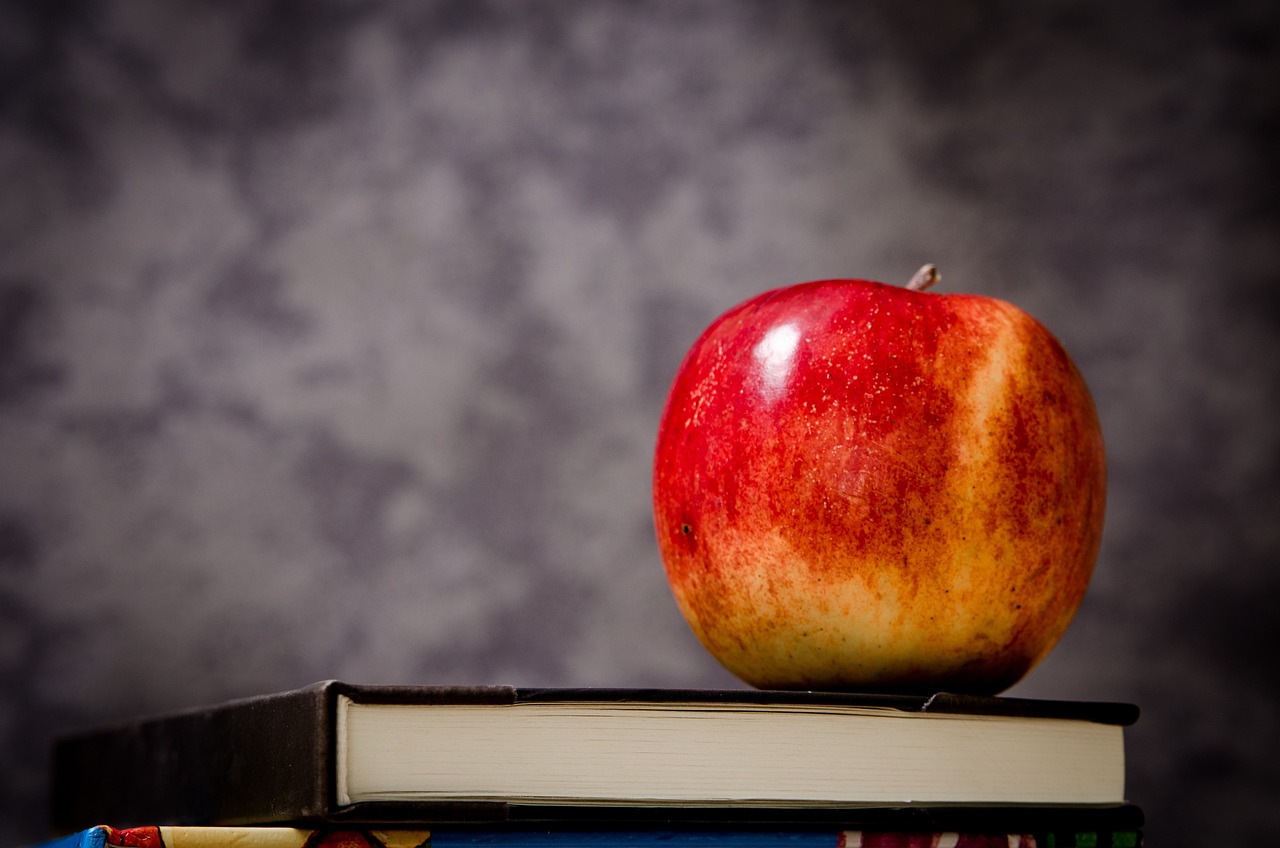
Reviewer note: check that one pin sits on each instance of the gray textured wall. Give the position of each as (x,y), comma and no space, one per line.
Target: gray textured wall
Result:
(333,335)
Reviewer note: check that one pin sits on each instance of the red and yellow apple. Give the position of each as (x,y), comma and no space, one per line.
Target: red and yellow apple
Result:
(872,487)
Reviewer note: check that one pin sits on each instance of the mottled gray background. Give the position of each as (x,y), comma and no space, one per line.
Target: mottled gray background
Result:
(333,335)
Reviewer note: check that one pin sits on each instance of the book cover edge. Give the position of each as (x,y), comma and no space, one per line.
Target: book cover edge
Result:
(1105,712)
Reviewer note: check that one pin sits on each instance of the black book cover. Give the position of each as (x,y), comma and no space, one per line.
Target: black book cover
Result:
(271,759)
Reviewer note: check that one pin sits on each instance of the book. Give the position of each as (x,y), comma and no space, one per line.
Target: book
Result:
(104,836)
(336,751)
(340,837)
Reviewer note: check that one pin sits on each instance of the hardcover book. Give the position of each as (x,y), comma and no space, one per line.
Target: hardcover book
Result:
(337,751)
(339,837)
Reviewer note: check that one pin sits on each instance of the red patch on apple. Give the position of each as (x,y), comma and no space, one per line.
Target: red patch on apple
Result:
(862,486)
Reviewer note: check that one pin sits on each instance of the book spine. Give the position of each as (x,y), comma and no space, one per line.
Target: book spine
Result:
(258,760)
(93,837)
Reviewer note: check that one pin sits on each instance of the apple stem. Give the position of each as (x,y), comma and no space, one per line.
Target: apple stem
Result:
(926,277)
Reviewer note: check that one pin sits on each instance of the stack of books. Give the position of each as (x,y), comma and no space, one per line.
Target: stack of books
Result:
(353,766)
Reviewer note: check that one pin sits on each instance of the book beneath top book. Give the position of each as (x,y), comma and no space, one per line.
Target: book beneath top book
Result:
(348,836)
(337,750)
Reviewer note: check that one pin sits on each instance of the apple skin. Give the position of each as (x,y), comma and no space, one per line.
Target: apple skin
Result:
(866,487)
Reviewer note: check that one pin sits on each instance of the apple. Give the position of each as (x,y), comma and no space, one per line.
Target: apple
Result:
(860,486)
